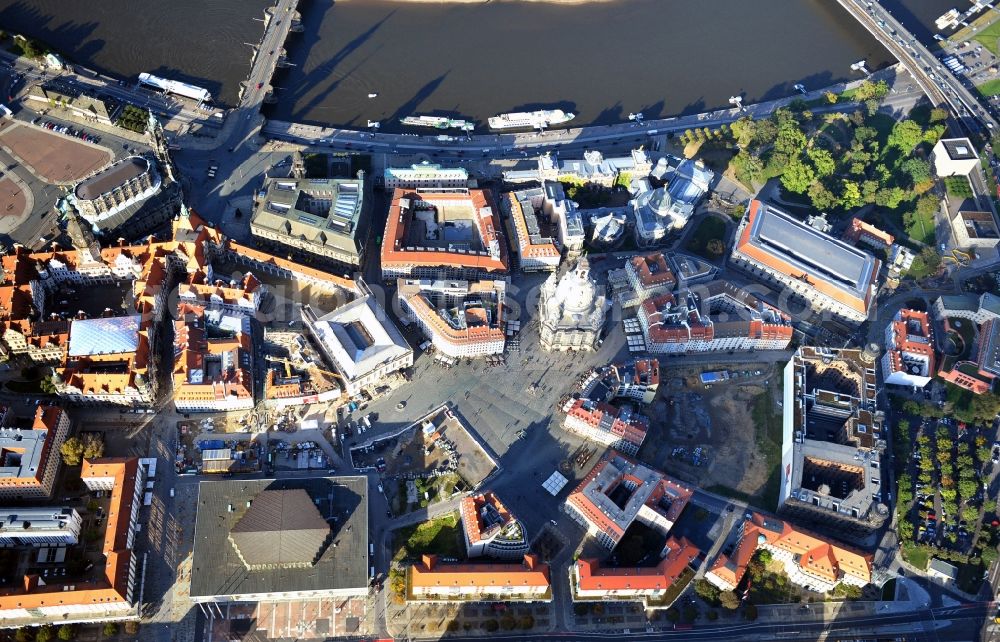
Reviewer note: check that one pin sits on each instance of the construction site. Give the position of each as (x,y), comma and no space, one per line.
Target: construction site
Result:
(723,436)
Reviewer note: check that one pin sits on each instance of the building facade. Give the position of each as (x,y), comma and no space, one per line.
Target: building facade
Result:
(591,581)
(431,580)
(425,175)
(461,319)
(320,218)
(29,458)
(909,358)
(825,272)
(490,529)
(617,428)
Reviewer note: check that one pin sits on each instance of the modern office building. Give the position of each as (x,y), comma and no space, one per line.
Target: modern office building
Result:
(280,540)
(832,442)
(815,563)
(461,318)
(432,580)
(826,272)
(954,157)
(572,310)
(909,350)
(29,457)
(490,528)
(619,491)
(975,229)
(444,234)
(324,218)
(360,342)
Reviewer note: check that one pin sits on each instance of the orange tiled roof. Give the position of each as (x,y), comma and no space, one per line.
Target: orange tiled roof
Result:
(530,573)
(113,587)
(652,270)
(525,246)
(470,508)
(762,256)
(394,252)
(592,577)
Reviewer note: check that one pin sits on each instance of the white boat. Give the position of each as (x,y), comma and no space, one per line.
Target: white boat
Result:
(437,122)
(373,95)
(531,119)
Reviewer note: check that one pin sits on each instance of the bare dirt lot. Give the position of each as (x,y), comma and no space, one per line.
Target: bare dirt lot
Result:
(711,437)
(56,158)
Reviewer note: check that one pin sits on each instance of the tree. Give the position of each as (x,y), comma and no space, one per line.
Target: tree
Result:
(764,556)
(850,195)
(491,625)
(72,451)
(44,634)
(918,169)
(822,161)
(690,613)
(831,97)
(526,622)
(715,247)
(868,90)
(110,629)
(47,386)
(938,115)
(906,134)
(749,165)
(821,197)
(706,591)
(23,634)
(673,615)
(66,632)
(927,205)
(890,197)
(93,446)
(798,176)
(729,600)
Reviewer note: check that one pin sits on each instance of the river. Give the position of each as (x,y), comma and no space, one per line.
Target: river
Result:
(600,61)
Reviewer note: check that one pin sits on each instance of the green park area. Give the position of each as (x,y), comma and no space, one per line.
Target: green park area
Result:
(838,163)
(989,88)
(708,238)
(989,37)
(438,536)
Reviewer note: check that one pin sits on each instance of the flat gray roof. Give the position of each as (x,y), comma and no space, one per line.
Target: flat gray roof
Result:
(111,177)
(826,258)
(218,571)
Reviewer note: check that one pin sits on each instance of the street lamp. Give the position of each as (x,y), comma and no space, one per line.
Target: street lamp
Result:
(637,117)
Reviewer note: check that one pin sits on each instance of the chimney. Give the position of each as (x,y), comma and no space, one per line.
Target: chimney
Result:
(430,561)
(30,583)
(531,561)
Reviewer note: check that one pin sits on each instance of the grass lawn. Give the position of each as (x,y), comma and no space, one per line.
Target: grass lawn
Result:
(989,36)
(920,228)
(767,427)
(709,228)
(989,88)
(958,186)
(916,555)
(439,536)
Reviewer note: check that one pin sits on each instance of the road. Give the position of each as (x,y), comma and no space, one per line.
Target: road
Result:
(937,81)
